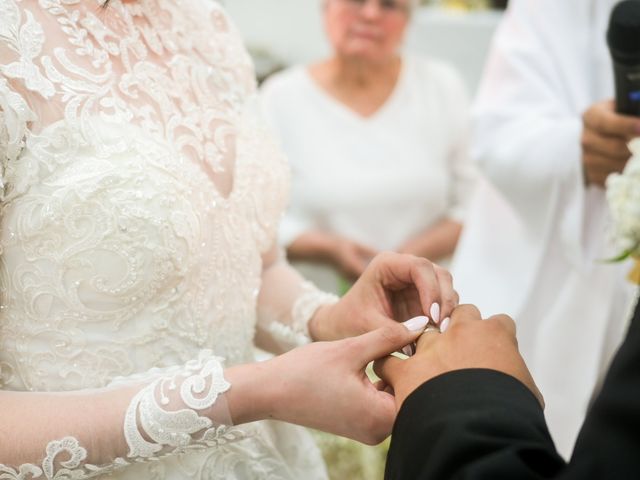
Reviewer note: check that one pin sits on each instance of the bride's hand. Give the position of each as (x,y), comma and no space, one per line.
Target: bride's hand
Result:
(394,287)
(323,385)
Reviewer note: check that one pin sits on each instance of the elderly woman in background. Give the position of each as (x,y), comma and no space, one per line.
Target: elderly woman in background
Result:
(377,142)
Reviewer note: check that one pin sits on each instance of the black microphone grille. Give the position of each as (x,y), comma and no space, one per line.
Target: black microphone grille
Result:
(623,36)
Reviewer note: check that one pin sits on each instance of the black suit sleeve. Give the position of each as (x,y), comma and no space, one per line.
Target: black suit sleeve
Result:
(482,424)
(608,446)
(472,424)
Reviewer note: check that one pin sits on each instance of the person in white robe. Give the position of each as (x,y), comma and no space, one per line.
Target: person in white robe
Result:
(546,137)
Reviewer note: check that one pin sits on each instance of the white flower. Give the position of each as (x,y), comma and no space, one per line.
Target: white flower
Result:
(623,195)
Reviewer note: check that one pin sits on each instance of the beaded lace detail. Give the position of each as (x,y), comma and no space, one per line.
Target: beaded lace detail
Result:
(139,191)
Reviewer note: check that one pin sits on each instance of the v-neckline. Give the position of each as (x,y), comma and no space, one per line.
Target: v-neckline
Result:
(390,100)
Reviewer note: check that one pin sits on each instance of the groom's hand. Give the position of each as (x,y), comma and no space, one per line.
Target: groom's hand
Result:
(393,288)
(466,342)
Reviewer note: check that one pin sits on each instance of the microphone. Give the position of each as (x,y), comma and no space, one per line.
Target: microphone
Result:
(623,38)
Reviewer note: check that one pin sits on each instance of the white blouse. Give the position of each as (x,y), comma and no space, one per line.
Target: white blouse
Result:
(380,179)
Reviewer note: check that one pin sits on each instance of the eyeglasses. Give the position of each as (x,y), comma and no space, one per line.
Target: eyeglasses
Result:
(390,6)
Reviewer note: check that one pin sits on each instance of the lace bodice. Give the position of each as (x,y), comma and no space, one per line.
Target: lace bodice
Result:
(140,192)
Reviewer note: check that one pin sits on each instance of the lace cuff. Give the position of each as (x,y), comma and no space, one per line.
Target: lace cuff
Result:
(296,333)
(179,410)
(285,306)
(176,410)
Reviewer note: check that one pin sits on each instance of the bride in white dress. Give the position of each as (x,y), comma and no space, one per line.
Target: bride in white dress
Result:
(139,201)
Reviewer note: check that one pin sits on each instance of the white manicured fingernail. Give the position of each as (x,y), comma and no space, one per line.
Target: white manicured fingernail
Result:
(435,312)
(445,324)
(407,350)
(416,323)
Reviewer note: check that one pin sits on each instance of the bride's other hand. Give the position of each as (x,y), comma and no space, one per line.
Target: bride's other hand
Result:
(323,385)
(394,287)
(467,342)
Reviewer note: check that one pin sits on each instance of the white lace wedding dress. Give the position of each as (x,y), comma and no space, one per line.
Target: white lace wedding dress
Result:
(139,195)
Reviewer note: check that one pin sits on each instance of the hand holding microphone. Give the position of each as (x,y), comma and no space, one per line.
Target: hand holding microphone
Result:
(605,136)
(608,126)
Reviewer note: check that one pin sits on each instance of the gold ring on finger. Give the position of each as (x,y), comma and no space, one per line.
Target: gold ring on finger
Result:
(431,328)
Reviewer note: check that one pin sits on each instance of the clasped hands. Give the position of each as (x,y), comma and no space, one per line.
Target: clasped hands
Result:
(324,385)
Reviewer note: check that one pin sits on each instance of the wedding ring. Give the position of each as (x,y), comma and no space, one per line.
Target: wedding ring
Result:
(430,329)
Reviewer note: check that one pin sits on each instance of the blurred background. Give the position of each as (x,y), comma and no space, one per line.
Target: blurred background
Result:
(281,33)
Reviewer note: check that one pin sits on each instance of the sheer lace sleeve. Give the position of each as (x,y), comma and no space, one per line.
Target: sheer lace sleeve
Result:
(286,304)
(87,433)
